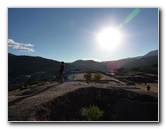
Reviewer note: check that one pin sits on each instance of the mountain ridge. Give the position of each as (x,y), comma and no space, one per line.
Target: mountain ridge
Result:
(152,53)
(23,70)
(32,64)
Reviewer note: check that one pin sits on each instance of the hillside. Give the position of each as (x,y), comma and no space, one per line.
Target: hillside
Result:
(148,60)
(152,53)
(89,65)
(24,65)
(25,70)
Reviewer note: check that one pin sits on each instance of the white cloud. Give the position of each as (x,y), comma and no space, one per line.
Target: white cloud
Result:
(22,47)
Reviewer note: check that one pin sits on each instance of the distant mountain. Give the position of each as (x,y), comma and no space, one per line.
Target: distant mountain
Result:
(88,65)
(112,65)
(147,60)
(152,53)
(27,65)
(23,69)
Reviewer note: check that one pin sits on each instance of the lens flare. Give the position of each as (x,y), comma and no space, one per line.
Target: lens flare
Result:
(131,16)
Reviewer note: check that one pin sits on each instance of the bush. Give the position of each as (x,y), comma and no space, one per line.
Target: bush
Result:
(31,81)
(88,77)
(97,77)
(91,113)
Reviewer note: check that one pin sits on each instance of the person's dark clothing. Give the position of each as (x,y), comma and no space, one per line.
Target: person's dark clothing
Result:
(61,71)
(61,68)
(148,88)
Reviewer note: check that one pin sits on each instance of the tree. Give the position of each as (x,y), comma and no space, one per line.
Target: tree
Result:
(88,76)
(97,77)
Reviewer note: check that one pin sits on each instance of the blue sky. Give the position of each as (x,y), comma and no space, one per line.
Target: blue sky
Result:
(69,34)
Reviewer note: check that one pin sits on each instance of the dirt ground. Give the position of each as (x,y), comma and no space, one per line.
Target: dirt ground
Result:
(154,87)
(113,82)
(22,103)
(80,76)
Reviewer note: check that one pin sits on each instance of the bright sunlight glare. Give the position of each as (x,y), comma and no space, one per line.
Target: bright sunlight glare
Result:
(109,38)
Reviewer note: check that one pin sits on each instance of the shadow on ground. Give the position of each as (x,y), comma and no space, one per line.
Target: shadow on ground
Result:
(116,105)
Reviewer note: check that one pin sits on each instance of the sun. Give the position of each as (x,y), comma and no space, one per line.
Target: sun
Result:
(109,38)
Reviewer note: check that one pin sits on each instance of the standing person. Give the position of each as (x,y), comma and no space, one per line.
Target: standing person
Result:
(148,88)
(61,71)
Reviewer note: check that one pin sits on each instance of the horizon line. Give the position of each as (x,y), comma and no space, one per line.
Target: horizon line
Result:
(84,59)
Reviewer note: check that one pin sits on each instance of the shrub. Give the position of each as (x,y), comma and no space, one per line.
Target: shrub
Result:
(88,76)
(31,81)
(91,113)
(97,77)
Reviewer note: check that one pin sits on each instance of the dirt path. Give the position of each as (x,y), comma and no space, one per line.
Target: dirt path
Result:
(21,106)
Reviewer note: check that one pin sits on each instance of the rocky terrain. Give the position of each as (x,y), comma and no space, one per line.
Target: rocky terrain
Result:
(51,101)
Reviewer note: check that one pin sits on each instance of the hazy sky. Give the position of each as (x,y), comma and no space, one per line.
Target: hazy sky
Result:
(69,34)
